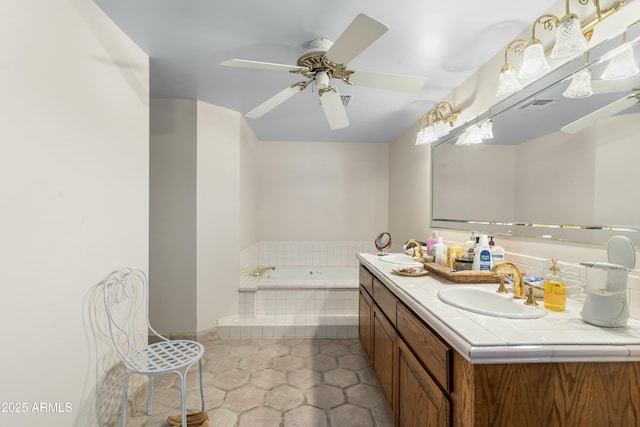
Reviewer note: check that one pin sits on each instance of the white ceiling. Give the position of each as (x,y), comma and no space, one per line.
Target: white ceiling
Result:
(444,42)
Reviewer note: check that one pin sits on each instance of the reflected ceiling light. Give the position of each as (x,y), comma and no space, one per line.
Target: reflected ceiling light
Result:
(486,129)
(580,86)
(473,135)
(622,63)
(509,82)
(436,123)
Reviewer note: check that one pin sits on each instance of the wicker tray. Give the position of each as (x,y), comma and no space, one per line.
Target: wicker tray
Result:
(464,276)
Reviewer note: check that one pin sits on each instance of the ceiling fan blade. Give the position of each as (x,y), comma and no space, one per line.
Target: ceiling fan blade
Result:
(333,108)
(602,113)
(387,81)
(358,36)
(243,63)
(610,86)
(274,101)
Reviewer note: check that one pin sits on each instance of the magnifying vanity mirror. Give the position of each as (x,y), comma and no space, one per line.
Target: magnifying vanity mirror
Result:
(383,243)
(557,167)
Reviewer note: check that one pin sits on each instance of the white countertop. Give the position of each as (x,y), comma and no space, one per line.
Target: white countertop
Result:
(556,337)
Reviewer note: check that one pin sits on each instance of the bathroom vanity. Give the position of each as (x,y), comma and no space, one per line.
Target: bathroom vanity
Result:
(442,366)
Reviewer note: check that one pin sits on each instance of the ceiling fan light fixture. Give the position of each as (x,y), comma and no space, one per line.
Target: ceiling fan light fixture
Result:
(534,63)
(580,86)
(570,41)
(622,64)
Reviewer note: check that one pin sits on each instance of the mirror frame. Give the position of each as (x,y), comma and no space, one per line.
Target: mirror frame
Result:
(579,233)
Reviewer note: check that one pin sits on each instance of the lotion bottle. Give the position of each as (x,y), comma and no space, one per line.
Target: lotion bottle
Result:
(482,255)
(469,247)
(497,252)
(555,289)
(440,252)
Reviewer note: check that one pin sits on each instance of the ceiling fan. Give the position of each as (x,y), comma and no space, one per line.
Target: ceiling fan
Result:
(325,60)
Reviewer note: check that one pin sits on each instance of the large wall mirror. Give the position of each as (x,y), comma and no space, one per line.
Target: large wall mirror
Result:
(557,167)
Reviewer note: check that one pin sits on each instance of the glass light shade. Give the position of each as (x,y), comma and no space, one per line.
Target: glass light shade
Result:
(429,135)
(473,135)
(569,38)
(486,130)
(534,63)
(580,86)
(420,137)
(462,139)
(622,65)
(441,128)
(509,82)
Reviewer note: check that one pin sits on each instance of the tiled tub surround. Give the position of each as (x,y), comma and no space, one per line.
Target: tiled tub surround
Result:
(313,293)
(557,337)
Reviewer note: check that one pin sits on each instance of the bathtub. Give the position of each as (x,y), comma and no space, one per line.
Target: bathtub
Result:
(309,278)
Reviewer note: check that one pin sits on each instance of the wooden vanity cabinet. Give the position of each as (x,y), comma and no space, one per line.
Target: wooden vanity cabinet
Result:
(415,386)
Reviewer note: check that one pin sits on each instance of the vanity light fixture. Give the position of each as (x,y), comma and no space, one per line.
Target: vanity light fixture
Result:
(622,63)
(436,122)
(486,129)
(509,82)
(569,38)
(572,38)
(535,62)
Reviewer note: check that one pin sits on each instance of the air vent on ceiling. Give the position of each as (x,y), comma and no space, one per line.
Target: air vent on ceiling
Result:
(538,104)
(346,99)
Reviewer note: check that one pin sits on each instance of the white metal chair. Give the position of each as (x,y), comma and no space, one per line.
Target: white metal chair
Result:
(126,300)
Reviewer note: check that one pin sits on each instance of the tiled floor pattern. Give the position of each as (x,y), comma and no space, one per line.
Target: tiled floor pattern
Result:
(276,383)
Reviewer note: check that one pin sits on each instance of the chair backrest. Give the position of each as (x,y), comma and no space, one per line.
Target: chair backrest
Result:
(126,302)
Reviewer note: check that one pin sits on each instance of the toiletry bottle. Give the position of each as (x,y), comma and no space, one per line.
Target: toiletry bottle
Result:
(469,246)
(432,241)
(497,252)
(555,289)
(482,255)
(440,252)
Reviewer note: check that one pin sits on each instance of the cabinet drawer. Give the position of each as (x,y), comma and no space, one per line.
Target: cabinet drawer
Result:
(366,280)
(433,353)
(385,300)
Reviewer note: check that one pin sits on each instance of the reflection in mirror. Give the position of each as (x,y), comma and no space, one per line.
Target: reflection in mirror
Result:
(383,243)
(554,168)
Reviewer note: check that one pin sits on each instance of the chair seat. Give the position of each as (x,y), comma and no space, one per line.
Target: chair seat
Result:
(165,356)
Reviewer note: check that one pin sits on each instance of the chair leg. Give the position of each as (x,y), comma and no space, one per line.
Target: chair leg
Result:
(150,394)
(183,393)
(124,399)
(201,386)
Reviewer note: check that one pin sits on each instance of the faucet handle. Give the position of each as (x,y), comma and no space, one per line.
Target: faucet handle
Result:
(501,288)
(531,300)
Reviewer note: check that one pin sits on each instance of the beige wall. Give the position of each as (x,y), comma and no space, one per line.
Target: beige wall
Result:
(322,191)
(74,184)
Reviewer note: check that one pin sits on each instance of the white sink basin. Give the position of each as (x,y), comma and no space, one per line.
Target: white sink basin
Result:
(488,302)
(401,259)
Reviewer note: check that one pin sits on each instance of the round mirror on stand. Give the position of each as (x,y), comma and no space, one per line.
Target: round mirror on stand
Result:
(383,243)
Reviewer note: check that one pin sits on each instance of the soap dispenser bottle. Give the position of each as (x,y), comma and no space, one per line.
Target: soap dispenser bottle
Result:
(482,255)
(555,289)
(469,247)
(440,252)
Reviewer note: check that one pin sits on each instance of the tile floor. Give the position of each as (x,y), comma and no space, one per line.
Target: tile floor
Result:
(276,383)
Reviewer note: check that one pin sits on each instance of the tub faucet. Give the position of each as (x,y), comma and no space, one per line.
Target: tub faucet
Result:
(418,252)
(259,270)
(518,282)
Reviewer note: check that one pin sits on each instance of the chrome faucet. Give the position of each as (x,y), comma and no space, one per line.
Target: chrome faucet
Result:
(418,252)
(518,281)
(259,270)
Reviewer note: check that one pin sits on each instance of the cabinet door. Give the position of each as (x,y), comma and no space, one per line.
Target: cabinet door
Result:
(365,323)
(385,356)
(420,402)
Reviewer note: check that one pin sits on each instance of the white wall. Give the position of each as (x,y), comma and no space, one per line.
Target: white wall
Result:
(74,184)
(173,204)
(322,191)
